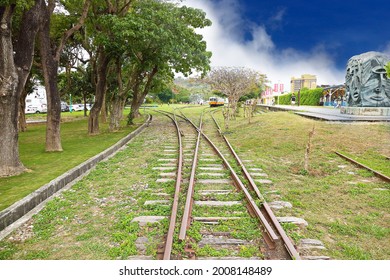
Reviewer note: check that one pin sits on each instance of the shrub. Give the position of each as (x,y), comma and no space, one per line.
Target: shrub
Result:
(309,97)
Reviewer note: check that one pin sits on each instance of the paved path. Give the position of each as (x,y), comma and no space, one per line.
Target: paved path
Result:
(325,113)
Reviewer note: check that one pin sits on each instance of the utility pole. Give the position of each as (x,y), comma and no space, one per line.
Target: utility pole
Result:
(299,97)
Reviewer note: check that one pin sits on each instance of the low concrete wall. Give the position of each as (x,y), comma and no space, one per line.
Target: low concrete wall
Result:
(271,108)
(366,111)
(28,203)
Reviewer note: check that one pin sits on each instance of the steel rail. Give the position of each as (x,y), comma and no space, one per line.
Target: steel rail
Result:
(376,173)
(172,221)
(252,204)
(186,221)
(287,242)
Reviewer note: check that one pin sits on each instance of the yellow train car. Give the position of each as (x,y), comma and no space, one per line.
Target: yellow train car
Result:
(216,101)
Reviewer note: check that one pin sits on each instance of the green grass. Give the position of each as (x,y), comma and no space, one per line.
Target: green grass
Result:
(346,208)
(373,159)
(43,167)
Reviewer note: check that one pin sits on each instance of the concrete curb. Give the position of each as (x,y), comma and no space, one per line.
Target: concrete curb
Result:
(16,211)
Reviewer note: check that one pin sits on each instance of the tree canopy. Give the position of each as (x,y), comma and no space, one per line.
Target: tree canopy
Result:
(134,47)
(152,44)
(233,82)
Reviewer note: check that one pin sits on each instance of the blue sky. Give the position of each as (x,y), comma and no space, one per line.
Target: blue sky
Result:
(344,28)
(285,38)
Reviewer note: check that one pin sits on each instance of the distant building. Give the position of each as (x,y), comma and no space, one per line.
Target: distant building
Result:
(269,95)
(305,81)
(332,94)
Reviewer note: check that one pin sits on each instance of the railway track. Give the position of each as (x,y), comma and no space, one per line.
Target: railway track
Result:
(217,210)
(376,173)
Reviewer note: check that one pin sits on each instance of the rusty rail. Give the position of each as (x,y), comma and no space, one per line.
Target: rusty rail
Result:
(287,242)
(376,173)
(190,192)
(272,237)
(172,221)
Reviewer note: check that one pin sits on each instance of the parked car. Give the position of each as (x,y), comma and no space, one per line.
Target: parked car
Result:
(88,106)
(76,107)
(64,106)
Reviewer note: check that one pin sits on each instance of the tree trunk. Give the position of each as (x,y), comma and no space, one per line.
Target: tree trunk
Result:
(85,104)
(134,111)
(22,125)
(116,112)
(10,163)
(50,56)
(138,97)
(102,68)
(103,110)
(24,54)
(50,68)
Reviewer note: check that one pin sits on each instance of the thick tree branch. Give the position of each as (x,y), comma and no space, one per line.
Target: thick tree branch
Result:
(125,8)
(71,31)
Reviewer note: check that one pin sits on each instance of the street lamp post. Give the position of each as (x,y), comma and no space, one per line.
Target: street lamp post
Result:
(299,97)
(70,103)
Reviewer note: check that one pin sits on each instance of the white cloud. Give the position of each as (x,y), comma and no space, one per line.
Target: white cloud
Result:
(279,15)
(386,50)
(225,39)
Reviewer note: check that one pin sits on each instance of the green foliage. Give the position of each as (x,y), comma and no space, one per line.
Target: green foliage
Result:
(151,35)
(22,4)
(388,69)
(249,251)
(181,94)
(284,99)
(76,83)
(248,96)
(310,97)
(165,95)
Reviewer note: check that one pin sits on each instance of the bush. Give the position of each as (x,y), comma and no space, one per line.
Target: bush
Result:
(309,97)
(285,99)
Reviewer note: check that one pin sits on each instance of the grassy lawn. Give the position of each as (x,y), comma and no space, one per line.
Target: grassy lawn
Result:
(347,208)
(44,167)
(92,220)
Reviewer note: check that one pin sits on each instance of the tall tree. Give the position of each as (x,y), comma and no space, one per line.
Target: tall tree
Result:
(100,58)
(10,163)
(15,66)
(51,50)
(154,40)
(233,82)
(24,54)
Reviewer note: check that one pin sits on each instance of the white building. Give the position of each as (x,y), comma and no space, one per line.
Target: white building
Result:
(269,95)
